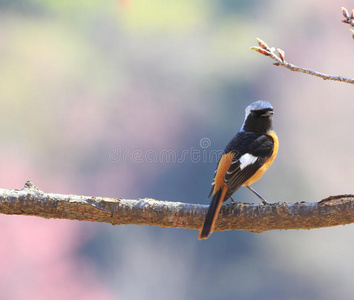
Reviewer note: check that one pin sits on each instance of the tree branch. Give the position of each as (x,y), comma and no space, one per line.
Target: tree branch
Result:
(280,61)
(30,201)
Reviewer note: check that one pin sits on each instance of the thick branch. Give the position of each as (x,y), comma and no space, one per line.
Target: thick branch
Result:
(280,61)
(336,210)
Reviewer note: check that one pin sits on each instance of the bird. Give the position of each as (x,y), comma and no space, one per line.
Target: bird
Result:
(245,159)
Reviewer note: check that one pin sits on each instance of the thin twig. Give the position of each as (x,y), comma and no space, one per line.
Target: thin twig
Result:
(30,201)
(280,61)
(348,19)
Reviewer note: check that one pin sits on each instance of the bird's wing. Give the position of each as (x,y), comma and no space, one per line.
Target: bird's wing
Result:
(238,174)
(251,151)
(251,157)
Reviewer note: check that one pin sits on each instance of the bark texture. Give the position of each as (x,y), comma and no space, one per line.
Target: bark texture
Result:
(30,201)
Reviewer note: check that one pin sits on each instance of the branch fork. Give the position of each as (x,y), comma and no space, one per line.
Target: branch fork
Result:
(279,57)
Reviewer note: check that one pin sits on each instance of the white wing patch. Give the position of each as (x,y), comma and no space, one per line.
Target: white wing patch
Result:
(246,160)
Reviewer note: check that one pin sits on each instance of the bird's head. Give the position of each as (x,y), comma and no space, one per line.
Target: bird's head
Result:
(258,117)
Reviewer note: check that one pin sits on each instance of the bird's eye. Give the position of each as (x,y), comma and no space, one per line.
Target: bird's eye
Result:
(256,113)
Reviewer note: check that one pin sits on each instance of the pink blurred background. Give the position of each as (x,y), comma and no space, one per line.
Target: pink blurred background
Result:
(81,79)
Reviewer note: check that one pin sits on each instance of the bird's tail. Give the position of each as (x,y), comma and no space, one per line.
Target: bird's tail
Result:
(212,214)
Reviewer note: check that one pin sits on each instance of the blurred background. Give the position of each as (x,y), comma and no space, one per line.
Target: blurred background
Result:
(86,85)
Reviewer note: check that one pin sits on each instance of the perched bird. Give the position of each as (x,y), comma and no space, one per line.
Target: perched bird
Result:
(246,158)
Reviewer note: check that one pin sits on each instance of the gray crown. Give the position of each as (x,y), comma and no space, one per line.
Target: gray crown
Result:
(258,105)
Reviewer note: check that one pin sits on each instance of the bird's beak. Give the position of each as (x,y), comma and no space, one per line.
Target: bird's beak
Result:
(268,113)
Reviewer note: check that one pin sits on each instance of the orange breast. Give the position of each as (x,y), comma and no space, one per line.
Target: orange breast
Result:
(267,164)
